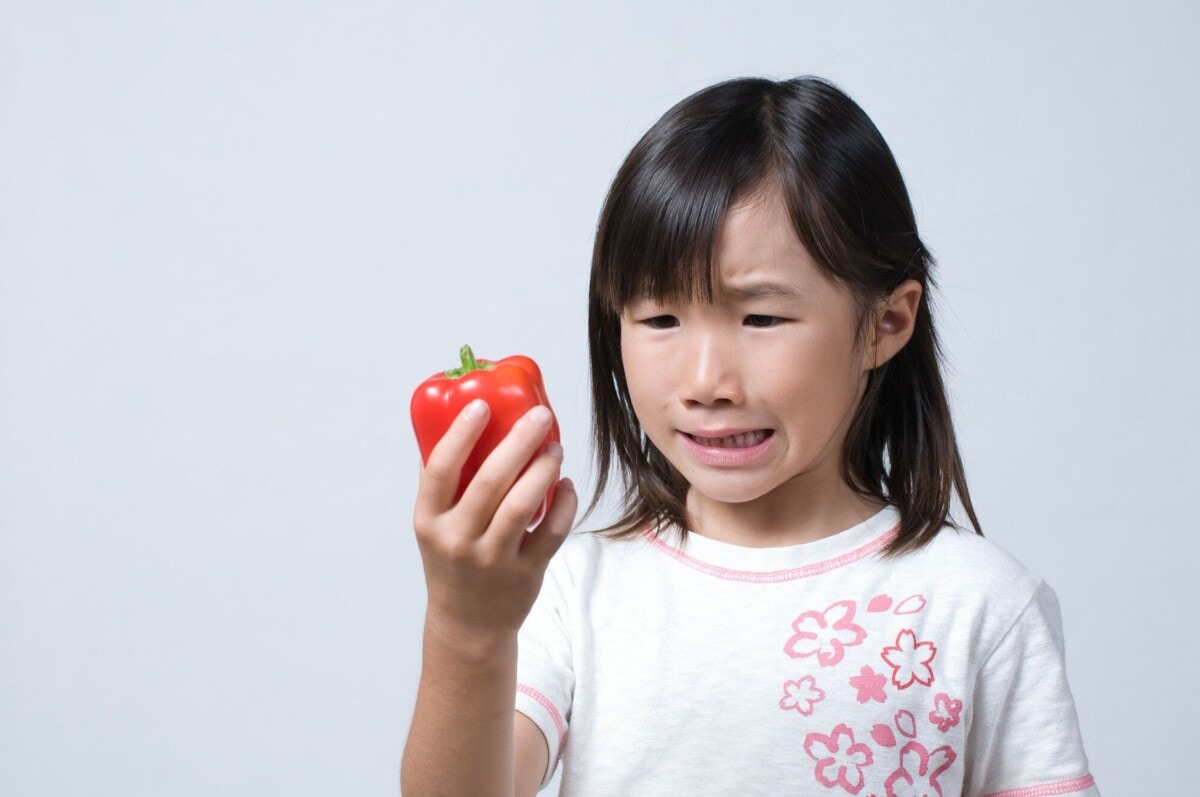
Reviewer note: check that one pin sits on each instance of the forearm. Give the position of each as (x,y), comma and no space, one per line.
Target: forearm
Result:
(461,739)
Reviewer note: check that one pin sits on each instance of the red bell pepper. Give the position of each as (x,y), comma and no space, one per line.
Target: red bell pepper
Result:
(511,387)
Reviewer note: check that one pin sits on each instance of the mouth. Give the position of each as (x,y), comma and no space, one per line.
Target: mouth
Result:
(737,440)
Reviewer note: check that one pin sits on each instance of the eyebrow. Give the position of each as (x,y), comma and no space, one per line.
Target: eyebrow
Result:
(759,290)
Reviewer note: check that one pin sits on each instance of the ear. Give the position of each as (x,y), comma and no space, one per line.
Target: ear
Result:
(894,322)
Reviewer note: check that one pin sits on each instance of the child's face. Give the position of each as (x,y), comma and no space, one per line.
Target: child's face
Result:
(753,394)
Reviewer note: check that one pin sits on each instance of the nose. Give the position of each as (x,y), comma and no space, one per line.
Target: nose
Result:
(711,372)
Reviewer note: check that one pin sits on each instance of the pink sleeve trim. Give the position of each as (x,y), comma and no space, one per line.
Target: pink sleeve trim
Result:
(545,703)
(1048,789)
(774,576)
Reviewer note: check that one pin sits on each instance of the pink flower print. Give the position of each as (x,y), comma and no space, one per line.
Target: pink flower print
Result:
(839,758)
(906,723)
(801,695)
(945,712)
(919,771)
(909,660)
(869,685)
(825,634)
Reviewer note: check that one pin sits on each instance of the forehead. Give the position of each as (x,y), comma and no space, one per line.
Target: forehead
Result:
(757,244)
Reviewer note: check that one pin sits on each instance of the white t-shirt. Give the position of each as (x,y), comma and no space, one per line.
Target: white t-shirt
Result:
(814,669)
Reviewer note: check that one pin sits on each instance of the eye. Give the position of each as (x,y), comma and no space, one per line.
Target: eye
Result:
(661,322)
(762,321)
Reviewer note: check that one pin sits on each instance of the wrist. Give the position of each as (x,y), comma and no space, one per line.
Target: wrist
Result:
(468,642)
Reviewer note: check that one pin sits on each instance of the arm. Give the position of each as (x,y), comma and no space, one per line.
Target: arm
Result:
(461,739)
(533,755)
(483,572)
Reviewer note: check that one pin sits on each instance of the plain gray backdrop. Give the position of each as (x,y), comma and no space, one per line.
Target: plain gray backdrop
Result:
(234,236)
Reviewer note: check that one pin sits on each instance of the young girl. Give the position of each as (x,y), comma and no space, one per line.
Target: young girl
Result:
(784,606)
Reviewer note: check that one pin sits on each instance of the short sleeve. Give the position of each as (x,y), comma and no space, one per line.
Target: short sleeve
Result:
(1024,737)
(545,680)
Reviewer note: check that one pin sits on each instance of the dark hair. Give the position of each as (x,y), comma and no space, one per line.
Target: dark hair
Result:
(808,140)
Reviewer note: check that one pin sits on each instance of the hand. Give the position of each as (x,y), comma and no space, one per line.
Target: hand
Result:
(483,570)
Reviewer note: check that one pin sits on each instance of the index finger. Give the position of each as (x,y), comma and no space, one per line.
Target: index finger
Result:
(442,470)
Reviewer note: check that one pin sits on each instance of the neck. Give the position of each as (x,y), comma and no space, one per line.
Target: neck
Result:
(792,514)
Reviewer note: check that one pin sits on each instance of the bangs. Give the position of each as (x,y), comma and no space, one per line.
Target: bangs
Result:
(661,220)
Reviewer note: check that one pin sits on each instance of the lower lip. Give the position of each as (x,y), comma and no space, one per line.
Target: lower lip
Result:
(722,457)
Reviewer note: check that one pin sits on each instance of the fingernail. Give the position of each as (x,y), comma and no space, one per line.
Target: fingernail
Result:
(554,449)
(476,409)
(540,415)
(567,484)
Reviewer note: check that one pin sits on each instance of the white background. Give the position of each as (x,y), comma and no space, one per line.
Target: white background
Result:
(235,235)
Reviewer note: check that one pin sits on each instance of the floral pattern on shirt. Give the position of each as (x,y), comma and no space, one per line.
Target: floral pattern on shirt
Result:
(825,634)
(840,759)
(945,712)
(801,696)
(917,775)
(910,660)
(869,685)
(894,754)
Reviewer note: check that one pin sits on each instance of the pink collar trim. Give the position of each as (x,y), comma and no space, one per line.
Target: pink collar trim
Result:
(774,576)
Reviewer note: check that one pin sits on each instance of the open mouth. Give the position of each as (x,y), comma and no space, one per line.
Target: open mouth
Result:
(742,440)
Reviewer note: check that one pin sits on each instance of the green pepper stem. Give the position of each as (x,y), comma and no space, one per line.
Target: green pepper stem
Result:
(468,358)
(469,364)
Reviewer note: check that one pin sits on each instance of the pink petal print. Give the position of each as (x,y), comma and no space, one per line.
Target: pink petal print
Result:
(880,603)
(883,735)
(906,723)
(911,605)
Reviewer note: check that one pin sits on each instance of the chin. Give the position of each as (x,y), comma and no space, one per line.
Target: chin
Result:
(727,493)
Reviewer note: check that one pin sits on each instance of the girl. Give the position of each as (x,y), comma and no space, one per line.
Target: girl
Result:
(784,606)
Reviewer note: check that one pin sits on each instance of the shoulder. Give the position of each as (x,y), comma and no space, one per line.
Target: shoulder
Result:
(980,579)
(590,570)
(965,556)
(587,555)
(582,548)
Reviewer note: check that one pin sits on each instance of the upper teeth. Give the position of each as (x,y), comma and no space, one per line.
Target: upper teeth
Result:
(733,441)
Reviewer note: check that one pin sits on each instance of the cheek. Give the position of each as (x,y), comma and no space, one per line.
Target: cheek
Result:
(650,400)
(817,379)
(644,401)
(643,367)
(636,382)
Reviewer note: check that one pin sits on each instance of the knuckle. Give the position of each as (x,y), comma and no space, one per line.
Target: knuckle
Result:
(487,558)
(437,469)
(422,530)
(458,550)
(433,547)
(423,526)
(487,482)
(514,512)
